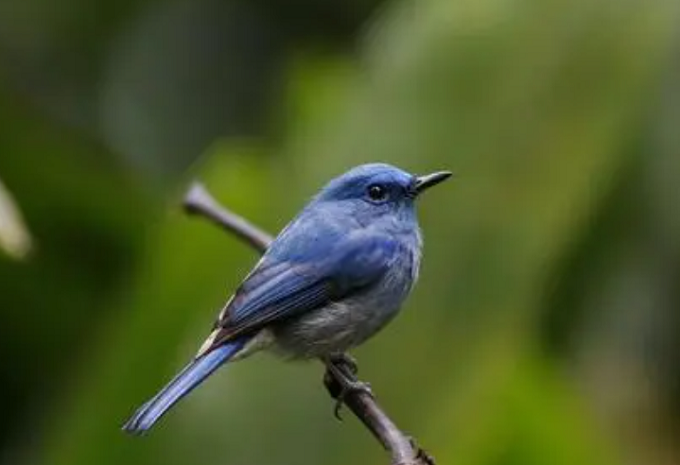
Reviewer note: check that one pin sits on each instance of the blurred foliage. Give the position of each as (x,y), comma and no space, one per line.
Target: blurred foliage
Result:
(545,327)
(15,240)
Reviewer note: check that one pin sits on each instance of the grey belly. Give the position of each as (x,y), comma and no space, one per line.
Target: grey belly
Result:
(338,326)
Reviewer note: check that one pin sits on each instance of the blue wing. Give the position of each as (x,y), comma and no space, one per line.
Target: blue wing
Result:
(282,287)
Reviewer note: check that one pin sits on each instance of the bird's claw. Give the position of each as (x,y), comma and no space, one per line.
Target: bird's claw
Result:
(349,388)
(341,370)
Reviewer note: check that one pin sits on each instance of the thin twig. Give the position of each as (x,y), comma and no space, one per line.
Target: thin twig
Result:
(402,448)
(198,201)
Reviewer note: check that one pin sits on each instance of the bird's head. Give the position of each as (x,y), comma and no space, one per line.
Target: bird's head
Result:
(379,189)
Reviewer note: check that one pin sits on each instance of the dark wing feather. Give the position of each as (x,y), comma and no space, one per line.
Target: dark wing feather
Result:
(277,289)
(275,293)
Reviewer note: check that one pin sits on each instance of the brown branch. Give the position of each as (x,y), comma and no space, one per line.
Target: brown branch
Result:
(198,201)
(403,449)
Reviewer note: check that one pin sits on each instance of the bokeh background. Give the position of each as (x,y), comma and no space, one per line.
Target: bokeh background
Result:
(546,325)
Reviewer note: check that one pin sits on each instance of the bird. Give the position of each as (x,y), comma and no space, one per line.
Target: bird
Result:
(331,279)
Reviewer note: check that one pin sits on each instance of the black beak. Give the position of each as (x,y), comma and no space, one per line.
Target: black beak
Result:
(428,180)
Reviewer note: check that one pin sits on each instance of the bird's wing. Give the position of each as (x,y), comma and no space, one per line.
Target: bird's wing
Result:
(277,289)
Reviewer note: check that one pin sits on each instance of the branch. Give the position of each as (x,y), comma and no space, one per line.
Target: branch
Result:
(403,449)
(198,201)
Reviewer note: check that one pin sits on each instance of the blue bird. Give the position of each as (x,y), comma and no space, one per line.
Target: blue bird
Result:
(336,275)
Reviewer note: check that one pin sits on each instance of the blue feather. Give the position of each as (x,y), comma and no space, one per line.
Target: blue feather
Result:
(190,377)
(280,289)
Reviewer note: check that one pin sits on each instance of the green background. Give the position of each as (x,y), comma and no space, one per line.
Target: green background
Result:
(545,328)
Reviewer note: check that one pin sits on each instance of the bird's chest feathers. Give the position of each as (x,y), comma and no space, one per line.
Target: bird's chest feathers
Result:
(415,253)
(346,323)
(403,270)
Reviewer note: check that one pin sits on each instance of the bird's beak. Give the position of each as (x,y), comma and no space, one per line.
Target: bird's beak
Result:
(428,180)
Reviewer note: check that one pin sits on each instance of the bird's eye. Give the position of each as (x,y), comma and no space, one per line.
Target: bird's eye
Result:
(376,192)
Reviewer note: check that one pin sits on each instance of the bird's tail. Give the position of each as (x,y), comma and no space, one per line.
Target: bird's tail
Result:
(191,376)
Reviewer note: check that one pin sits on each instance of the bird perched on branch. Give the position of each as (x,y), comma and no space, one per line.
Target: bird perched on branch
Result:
(331,279)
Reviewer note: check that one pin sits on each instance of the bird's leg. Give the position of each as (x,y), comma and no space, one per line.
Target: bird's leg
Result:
(342,369)
(345,360)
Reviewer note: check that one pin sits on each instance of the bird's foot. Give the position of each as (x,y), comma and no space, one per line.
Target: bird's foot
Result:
(341,370)
(353,387)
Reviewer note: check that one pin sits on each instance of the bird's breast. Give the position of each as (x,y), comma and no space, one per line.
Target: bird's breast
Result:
(415,250)
(344,324)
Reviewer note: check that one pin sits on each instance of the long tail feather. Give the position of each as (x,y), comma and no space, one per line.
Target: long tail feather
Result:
(191,376)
